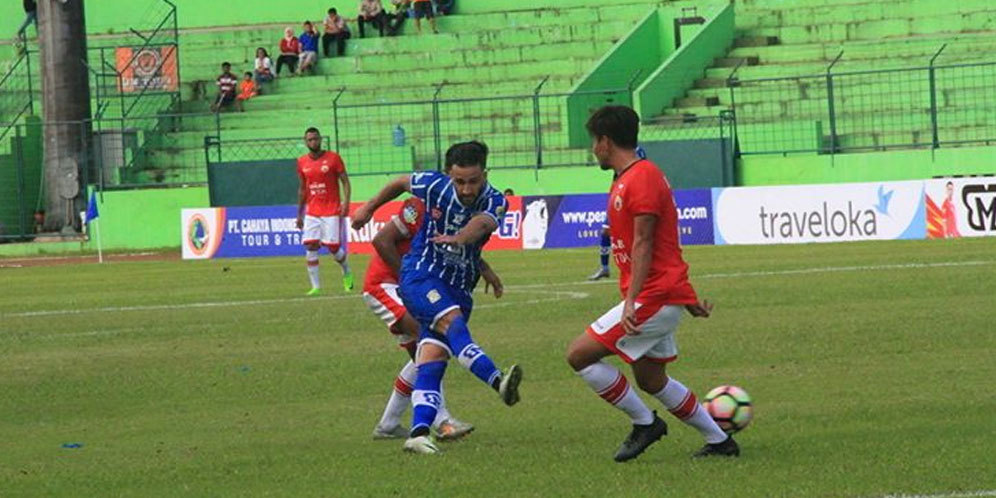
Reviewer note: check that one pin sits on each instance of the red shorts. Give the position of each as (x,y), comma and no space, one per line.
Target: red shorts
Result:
(655,342)
(384,301)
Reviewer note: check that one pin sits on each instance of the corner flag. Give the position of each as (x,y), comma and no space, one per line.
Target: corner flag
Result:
(91,208)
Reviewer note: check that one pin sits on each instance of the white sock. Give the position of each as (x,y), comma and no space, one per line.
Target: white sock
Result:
(682,404)
(340,257)
(612,386)
(312,258)
(400,396)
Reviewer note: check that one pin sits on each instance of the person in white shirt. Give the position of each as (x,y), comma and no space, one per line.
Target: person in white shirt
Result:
(372,12)
(263,70)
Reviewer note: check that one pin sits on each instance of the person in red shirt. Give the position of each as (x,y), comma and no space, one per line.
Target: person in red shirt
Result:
(290,51)
(950,216)
(320,211)
(653,281)
(380,293)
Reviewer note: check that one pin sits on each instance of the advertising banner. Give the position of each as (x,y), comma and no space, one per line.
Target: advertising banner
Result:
(961,207)
(819,213)
(150,67)
(559,221)
(254,231)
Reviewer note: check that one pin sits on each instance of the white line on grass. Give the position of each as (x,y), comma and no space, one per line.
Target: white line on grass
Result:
(953,494)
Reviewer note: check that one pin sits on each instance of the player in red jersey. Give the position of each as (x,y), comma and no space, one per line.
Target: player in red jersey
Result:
(380,293)
(321,213)
(653,280)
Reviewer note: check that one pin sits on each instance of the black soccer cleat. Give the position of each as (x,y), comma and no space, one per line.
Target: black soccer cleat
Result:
(641,438)
(727,448)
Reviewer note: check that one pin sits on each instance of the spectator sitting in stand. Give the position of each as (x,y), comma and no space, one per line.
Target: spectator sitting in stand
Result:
(309,48)
(226,88)
(372,12)
(264,67)
(247,90)
(337,31)
(423,8)
(290,48)
(396,20)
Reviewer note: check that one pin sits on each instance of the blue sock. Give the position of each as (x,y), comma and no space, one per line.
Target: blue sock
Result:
(426,397)
(470,355)
(604,249)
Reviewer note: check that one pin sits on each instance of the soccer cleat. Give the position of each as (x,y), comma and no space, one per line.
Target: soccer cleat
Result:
(452,429)
(508,389)
(347,282)
(421,444)
(727,448)
(641,437)
(397,432)
(600,274)
(315,291)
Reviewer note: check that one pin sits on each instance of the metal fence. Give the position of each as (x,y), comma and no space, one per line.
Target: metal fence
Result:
(256,150)
(918,107)
(15,95)
(522,131)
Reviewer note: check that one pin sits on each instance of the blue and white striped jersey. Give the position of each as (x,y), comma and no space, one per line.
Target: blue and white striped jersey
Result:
(458,266)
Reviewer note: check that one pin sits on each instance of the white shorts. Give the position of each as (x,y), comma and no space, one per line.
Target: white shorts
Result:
(656,341)
(384,301)
(308,57)
(325,229)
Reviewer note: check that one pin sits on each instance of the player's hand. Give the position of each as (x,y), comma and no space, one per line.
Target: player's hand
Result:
(361,217)
(491,279)
(300,222)
(629,318)
(701,309)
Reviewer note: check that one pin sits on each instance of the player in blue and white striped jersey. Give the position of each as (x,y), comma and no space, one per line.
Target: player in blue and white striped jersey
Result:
(440,272)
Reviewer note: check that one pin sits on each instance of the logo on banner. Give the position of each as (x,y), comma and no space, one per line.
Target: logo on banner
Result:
(152,68)
(198,235)
(981,203)
(535,224)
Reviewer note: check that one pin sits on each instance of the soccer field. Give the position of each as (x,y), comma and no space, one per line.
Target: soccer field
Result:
(870,366)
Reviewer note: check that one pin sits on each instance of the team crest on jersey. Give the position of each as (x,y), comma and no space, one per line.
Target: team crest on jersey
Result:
(458,218)
(410,214)
(617,203)
(325,168)
(436,213)
(433,296)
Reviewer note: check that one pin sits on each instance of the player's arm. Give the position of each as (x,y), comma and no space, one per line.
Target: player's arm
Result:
(477,229)
(344,181)
(391,191)
(302,200)
(386,245)
(641,256)
(491,279)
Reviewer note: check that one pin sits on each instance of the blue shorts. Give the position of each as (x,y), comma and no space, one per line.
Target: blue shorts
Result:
(428,299)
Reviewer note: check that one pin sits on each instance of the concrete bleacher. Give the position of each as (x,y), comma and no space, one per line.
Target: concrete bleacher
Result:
(485,53)
(782,39)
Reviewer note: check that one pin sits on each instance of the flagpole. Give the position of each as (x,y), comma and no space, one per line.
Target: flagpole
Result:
(100,252)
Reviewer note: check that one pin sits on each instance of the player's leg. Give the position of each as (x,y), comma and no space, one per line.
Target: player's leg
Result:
(604,250)
(426,397)
(312,237)
(453,324)
(649,371)
(585,356)
(332,238)
(384,302)
(389,426)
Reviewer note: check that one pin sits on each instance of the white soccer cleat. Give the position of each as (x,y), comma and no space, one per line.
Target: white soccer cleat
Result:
(452,429)
(509,387)
(421,444)
(396,432)
(600,274)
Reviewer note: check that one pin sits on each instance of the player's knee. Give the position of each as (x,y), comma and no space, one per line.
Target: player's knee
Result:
(444,322)
(577,358)
(312,246)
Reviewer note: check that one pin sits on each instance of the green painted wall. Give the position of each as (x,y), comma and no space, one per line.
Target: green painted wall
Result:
(145,219)
(867,167)
(675,76)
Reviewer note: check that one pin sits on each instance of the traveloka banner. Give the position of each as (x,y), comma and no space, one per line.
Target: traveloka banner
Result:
(560,221)
(820,213)
(255,231)
(961,207)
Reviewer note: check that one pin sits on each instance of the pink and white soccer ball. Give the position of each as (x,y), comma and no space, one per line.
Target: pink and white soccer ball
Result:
(730,407)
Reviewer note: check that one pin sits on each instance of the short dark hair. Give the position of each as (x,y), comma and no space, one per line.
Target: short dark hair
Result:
(312,130)
(950,184)
(472,153)
(618,122)
(223,64)
(248,74)
(509,191)
(333,11)
(307,23)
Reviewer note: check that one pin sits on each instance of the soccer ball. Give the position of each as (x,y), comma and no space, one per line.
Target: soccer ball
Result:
(730,407)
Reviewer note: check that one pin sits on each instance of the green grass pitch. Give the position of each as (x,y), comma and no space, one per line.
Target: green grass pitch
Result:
(871,366)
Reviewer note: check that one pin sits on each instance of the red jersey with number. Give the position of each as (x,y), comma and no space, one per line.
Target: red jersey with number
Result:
(321,182)
(643,190)
(408,220)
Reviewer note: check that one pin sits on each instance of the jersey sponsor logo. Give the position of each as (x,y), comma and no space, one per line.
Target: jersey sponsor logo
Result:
(433,296)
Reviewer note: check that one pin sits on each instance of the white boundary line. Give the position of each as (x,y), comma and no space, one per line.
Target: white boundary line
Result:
(257,302)
(953,494)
